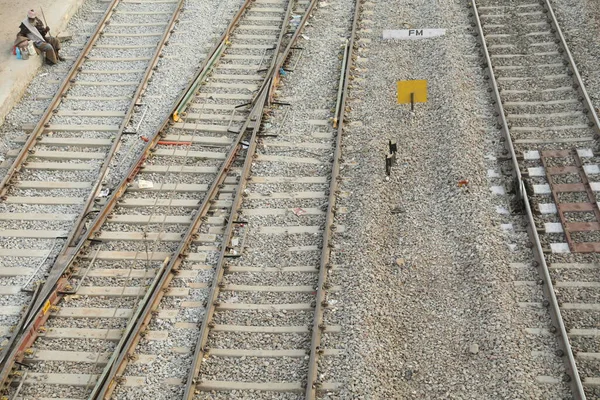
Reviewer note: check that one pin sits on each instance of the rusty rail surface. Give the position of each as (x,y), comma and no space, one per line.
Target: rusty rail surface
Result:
(574,168)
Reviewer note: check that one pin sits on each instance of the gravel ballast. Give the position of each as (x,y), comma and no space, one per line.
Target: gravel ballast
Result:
(438,296)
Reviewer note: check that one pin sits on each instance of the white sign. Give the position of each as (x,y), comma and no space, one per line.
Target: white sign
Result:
(404,34)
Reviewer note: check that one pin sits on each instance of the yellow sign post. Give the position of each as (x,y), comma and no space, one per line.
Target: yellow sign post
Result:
(411,92)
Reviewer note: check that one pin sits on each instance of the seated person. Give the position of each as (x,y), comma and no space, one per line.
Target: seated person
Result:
(33,29)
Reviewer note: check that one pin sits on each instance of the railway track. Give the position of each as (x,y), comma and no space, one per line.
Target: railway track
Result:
(54,179)
(551,129)
(148,238)
(262,333)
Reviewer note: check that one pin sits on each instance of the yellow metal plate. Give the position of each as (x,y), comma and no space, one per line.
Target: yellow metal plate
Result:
(418,87)
(46,307)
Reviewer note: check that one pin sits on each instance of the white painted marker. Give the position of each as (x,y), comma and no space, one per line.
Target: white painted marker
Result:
(405,34)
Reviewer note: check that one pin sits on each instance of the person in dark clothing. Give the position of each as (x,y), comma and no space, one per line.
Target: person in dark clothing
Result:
(33,29)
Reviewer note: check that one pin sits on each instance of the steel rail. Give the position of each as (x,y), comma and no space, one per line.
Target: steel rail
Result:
(548,287)
(151,143)
(498,102)
(199,350)
(280,57)
(321,302)
(23,319)
(8,346)
(30,142)
(58,279)
(106,385)
(137,313)
(340,93)
(190,93)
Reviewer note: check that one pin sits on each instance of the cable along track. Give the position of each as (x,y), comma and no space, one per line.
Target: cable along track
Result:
(52,182)
(147,237)
(551,129)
